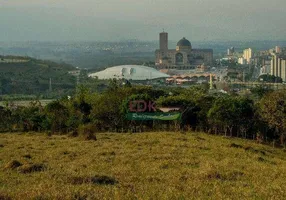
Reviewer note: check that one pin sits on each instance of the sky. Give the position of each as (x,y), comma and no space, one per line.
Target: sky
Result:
(117,20)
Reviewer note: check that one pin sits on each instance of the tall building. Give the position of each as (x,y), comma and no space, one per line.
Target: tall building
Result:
(164,41)
(278,66)
(247,55)
(278,49)
(183,57)
(241,61)
(230,51)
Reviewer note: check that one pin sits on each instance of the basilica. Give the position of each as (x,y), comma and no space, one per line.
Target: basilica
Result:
(184,57)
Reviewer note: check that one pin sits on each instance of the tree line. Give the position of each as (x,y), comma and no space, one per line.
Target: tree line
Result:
(261,115)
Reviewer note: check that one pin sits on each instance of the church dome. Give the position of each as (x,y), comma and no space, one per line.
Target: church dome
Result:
(184,43)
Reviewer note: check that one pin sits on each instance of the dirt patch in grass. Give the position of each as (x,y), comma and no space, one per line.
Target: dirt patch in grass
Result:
(214,175)
(13,164)
(234,175)
(230,176)
(260,159)
(41,197)
(233,145)
(1,145)
(200,138)
(30,168)
(90,136)
(254,150)
(248,148)
(98,180)
(165,166)
(182,139)
(154,179)
(79,196)
(204,148)
(112,153)
(5,197)
(105,138)
(28,156)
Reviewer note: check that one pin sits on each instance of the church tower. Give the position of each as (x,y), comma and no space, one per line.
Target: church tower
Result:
(164,41)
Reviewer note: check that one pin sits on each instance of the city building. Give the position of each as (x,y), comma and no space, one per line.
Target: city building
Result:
(130,72)
(278,49)
(241,61)
(247,55)
(183,57)
(266,69)
(230,51)
(278,66)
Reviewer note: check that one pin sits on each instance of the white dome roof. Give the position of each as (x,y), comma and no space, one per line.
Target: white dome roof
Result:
(130,72)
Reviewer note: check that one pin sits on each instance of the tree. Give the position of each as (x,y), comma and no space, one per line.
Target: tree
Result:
(5,119)
(244,114)
(260,91)
(222,114)
(204,103)
(273,111)
(58,115)
(107,107)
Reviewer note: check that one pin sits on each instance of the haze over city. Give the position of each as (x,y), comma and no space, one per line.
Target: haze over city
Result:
(114,20)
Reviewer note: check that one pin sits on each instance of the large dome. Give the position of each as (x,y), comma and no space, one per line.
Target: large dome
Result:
(130,72)
(184,43)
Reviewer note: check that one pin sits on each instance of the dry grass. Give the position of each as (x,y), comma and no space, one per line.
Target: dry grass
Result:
(139,166)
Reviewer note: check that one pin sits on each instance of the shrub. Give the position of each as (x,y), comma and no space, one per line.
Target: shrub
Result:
(74,133)
(87,131)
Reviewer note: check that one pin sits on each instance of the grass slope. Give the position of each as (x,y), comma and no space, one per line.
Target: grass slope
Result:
(139,166)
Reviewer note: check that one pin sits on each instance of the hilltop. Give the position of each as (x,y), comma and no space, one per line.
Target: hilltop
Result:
(26,75)
(139,166)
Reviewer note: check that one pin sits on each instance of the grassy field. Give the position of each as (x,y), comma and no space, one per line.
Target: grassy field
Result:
(139,166)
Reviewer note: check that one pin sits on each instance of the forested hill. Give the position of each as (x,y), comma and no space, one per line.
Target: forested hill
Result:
(25,75)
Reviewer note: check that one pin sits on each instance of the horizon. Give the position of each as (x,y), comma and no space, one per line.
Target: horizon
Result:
(120,20)
(139,40)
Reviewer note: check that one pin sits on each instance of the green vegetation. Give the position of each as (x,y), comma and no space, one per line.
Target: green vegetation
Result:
(254,117)
(28,76)
(139,166)
(72,153)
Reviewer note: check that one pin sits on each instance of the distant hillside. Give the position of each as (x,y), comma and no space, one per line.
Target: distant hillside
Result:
(25,75)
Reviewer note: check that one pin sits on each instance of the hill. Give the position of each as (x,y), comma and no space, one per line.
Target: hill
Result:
(139,166)
(25,75)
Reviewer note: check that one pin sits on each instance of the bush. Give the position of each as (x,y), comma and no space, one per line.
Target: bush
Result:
(87,131)
(74,133)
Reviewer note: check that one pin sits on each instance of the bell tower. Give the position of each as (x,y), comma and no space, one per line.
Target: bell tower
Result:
(163,41)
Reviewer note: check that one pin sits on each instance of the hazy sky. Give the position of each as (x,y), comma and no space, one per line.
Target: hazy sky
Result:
(102,20)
